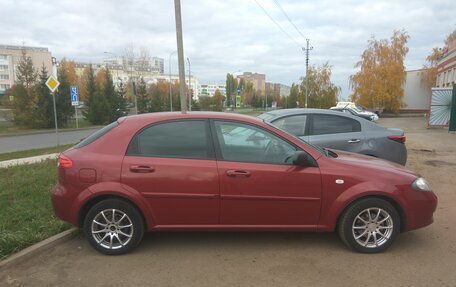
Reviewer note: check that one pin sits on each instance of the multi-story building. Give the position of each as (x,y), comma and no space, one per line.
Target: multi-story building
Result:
(446,66)
(10,57)
(158,65)
(258,80)
(277,89)
(208,90)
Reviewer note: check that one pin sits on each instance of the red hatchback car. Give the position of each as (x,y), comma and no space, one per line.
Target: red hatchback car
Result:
(220,171)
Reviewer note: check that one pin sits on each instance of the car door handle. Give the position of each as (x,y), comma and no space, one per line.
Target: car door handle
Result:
(354,141)
(236,173)
(141,168)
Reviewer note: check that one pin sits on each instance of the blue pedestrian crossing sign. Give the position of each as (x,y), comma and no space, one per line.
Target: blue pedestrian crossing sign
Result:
(74,96)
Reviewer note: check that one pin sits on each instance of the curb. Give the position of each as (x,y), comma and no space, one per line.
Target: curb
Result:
(27,160)
(38,247)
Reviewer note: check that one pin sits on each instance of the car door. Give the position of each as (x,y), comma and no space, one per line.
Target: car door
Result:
(172,164)
(258,184)
(336,132)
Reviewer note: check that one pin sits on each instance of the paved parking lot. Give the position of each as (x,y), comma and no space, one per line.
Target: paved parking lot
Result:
(426,257)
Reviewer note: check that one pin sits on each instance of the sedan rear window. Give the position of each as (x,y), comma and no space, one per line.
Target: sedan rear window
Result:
(329,124)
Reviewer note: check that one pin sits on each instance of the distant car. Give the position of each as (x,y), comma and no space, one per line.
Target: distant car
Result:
(225,172)
(354,111)
(362,108)
(332,129)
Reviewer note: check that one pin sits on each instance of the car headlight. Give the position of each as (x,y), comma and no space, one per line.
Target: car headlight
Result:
(420,184)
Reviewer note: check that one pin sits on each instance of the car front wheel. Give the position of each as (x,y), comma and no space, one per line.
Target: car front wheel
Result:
(113,227)
(369,225)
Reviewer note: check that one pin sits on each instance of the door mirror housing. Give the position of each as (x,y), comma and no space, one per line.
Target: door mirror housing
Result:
(301,158)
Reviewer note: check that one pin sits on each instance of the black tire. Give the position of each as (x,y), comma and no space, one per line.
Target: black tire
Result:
(113,237)
(365,226)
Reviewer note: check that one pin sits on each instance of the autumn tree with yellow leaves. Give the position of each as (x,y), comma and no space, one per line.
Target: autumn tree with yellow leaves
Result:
(378,83)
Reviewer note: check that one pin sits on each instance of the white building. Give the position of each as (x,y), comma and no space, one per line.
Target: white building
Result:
(416,97)
(208,90)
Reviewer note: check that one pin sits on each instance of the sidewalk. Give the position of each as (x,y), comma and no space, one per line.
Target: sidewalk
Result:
(27,160)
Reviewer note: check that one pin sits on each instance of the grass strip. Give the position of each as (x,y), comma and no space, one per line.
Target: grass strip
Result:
(26,214)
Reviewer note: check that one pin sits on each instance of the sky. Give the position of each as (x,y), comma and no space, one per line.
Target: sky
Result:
(230,36)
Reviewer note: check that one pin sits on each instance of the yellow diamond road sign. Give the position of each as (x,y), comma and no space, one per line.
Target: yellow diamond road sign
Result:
(52,83)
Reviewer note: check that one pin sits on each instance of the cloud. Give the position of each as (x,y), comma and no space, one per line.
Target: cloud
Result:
(226,36)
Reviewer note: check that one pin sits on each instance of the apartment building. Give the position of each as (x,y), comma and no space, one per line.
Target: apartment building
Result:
(258,80)
(10,57)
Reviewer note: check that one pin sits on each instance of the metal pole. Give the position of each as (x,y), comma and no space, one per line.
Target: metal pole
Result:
(189,86)
(54,73)
(307,49)
(180,55)
(170,94)
(76,113)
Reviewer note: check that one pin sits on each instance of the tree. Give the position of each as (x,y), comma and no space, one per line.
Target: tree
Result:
(115,99)
(322,93)
(450,38)
(62,97)
(231,87)
(23,92)
(292,100)
(44,114)
(218,101)
(26,74)
(429,74)
(379,81)
(142,98)
(97,111)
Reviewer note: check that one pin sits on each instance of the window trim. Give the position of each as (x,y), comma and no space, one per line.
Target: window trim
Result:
(310,131)
(218,150)
(209,142)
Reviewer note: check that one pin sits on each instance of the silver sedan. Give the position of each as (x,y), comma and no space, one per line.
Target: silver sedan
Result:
(335,130)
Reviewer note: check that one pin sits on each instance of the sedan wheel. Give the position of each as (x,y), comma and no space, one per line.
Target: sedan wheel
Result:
(369,225)
(113,227)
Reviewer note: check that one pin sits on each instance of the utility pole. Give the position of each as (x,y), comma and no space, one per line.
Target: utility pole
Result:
(189,86)
(170,94)
(180,55)
(307,50)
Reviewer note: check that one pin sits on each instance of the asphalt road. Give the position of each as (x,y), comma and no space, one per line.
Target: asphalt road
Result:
(425,257)
(41,140)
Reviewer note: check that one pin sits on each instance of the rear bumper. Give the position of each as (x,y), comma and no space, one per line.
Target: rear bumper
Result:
(62,202)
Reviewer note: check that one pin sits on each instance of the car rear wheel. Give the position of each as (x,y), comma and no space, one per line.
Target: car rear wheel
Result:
(369,225)
(113,227)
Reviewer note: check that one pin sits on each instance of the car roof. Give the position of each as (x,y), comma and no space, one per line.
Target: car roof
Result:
(162,116)
(272,115)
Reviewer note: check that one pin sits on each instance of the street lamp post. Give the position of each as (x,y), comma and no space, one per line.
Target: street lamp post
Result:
(170,93)
(189,89)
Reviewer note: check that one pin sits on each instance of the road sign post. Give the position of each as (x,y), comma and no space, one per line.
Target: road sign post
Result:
(52,83)
(74,94)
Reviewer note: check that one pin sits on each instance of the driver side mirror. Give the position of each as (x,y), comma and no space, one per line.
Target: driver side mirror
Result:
(301,158)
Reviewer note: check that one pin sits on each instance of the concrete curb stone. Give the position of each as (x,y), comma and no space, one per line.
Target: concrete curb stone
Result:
(38,247)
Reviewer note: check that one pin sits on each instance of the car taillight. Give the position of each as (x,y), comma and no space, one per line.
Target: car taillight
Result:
(396,138)
(65,162)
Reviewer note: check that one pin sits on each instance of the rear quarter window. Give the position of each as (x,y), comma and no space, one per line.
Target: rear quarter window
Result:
(96,135)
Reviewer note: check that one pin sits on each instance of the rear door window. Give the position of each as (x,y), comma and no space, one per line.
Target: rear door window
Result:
(295,125)
(329,124)
(177,139)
